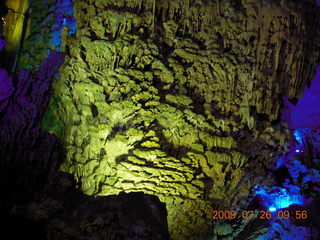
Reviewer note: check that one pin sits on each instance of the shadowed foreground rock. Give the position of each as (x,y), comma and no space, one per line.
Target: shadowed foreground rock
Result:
(62,213)
(133,216)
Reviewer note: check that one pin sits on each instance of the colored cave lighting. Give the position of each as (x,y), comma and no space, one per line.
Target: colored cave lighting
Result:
(2,42)
(285,231)
(278,198)
(6,84)
(64,17)
(298,135)
(272,209)
(304,114)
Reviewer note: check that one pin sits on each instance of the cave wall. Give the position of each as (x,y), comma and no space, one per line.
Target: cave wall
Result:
(41,201)
(42,28)
(180,99)
(16,25)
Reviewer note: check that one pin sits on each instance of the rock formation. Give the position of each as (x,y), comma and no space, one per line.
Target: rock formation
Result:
(181,99)
(15,30)
(38,201)
(177,99)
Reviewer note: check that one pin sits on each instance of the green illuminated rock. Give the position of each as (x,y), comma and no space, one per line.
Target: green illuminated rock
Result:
(177,99)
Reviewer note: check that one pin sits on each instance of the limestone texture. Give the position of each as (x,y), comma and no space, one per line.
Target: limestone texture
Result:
(40,201)
(41,30)
(181,99)
(15,17)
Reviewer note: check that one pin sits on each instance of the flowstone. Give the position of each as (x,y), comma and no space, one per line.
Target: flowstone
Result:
(180,99)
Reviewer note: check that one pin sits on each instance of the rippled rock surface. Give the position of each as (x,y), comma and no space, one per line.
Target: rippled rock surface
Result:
(181,99)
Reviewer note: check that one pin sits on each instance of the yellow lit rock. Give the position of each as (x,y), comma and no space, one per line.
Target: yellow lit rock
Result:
(13,29)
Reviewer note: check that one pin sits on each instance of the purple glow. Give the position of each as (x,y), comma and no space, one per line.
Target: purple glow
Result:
(6,85)
(306,114)
(24,107)
(3,42)
(303,119)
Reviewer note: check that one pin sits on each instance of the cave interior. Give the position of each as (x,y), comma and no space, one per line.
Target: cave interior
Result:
(160,119)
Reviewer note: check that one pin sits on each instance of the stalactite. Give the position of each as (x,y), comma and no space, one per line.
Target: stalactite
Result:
(153,15)
(15,31)
(212,66)
(140,4)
